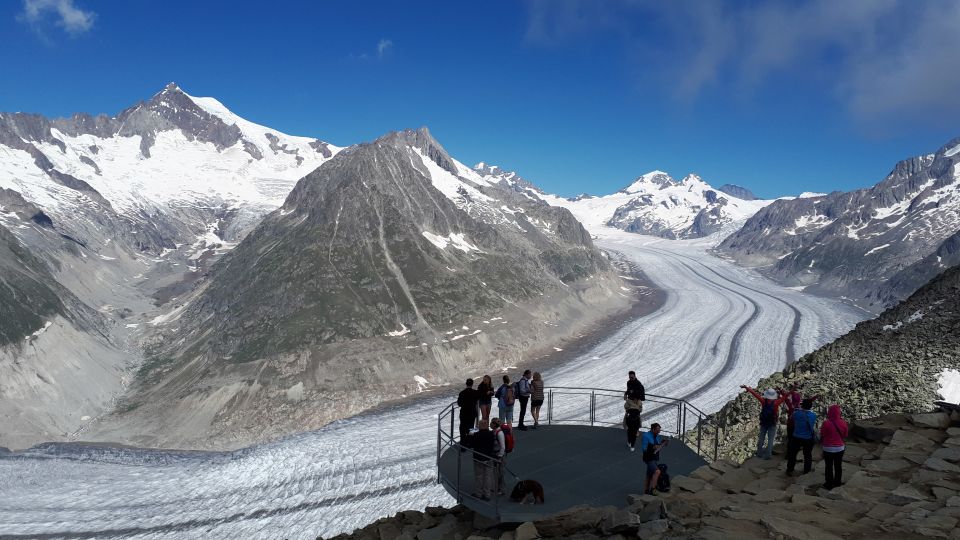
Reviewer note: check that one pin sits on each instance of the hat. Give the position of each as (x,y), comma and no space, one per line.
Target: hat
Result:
(770,393)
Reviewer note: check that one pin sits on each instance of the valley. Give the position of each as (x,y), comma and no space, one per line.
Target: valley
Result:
(719,325)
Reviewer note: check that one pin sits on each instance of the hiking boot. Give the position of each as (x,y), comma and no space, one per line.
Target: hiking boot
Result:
(522,428)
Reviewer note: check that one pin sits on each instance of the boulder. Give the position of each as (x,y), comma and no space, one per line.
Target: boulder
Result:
(937,464)
(948,453)
(942,493)
(886,466)
(937,420)
(953,502)
(705,473)
(734,480)
(770,495)
(576,519)
(794,530)
(653,528)
(872,431)
(620,522)
(444,530)
(526,531)
(388,530)
(904,494)
(768,482)
(686,483)
(652,512)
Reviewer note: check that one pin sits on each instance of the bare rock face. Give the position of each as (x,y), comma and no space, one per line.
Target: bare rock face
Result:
(875,246)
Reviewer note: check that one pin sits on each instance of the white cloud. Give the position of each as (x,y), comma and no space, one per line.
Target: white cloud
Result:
(63,13)
(383,48)
(886,61)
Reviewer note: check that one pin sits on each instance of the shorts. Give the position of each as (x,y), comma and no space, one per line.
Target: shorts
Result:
(651,467)
(537,403)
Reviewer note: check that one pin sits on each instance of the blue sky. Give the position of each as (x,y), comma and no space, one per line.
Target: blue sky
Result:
(577,96)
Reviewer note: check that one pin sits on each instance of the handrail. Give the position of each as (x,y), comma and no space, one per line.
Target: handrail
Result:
(664,404)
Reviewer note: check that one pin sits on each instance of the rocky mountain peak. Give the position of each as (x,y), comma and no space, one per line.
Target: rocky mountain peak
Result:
(739,192)
(645,181)
(422,140)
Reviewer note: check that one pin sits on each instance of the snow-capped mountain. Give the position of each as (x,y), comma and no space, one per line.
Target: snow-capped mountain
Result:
(874,246)
(390,268)
(108,217)
(155,166)
(653,204)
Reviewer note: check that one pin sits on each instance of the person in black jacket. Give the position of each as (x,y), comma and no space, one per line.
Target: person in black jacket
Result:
(634,387)
(467,401)
(483,444)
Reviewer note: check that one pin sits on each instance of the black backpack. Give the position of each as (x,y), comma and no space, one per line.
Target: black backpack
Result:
(663,483)
(767,415)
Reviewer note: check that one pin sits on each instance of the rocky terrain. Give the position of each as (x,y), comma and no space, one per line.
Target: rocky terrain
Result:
(901,480)
(888,364)
(653,204)
(874,246)
(390,269)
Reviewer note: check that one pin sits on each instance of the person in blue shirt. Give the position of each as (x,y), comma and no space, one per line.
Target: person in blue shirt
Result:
(650,445)
(804,428)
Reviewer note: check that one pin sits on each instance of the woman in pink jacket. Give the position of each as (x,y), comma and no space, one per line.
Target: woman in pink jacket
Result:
(832,433)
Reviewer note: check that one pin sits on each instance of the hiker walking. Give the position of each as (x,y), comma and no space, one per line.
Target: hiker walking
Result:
(804,437)
(523,391)
(650,445)
(536,397)
(832,434)
(506,397)
(631,419)
(770,403)
(483,444)
(467,401)
(485,392)
(634,387)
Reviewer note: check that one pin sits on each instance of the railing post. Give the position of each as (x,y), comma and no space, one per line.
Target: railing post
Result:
(439,437)
(549,407)
(684,427)
(459,472)
(452,408)
(593,407)
(699,433)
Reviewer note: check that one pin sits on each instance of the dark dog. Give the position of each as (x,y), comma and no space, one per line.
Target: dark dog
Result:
(526,490)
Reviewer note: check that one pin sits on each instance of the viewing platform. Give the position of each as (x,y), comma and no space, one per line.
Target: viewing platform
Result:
(578,453)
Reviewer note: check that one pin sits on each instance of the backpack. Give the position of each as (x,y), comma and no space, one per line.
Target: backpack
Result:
(767,416)
(509,396)
(663,483)
(507,438)
(516,389)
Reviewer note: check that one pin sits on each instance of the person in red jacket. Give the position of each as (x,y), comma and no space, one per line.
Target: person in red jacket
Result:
(832,434)
(770,402)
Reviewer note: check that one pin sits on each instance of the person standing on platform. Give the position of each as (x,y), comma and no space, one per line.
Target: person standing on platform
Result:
(536,397)
(500,432)
(650,445)
(467,401)
(506,397)
(485,394)
(634,387)
(523,390)
(631,419)
(483,444)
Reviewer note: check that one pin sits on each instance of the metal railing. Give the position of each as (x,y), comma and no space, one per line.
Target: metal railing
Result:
(594,407)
